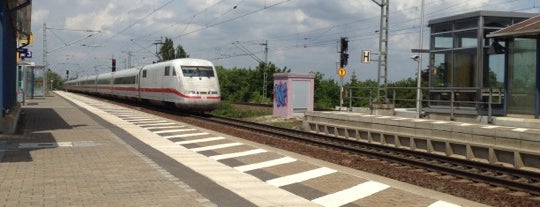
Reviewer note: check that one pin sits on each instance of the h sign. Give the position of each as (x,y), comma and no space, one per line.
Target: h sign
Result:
(366,56)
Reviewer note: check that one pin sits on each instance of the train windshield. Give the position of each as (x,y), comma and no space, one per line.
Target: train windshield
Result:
(197,71)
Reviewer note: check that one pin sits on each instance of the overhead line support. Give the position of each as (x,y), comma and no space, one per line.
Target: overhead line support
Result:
(265,62)
(383,52)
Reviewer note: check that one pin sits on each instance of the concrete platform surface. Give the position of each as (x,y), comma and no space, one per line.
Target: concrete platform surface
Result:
(73,150)
(63,157)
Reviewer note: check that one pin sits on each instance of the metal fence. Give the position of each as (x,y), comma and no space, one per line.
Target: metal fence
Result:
(450,98)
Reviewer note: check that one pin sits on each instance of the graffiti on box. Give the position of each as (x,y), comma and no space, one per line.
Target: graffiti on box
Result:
(280,94)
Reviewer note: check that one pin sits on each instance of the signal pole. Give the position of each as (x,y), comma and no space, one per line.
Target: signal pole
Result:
(343,61)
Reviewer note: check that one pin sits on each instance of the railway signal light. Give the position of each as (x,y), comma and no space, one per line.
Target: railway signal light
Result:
(343,55)
(113,68)
(344,59)
(344,44)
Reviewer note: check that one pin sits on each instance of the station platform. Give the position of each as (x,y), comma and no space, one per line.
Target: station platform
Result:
(72,150)
(512,146)
(61,156)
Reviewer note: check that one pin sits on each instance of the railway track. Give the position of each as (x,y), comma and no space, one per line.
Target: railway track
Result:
(511,178)
(519,187)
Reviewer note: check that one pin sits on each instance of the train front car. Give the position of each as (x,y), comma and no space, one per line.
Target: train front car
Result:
(198,83)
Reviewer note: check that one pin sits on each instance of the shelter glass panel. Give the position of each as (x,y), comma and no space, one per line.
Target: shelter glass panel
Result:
(466,39)
(466,23)
(494,76)
(442,41)
(497,22)
(464,76)
(522,76)
(443,27)
(441,73)
(441,76)
(465,68)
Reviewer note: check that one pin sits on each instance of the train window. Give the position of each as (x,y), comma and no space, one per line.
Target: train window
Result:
(173,71)
(104,81)
(167,70)
(125,80)
(197,71)
(144,73)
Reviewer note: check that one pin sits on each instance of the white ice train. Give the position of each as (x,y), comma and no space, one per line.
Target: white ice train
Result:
(187,83)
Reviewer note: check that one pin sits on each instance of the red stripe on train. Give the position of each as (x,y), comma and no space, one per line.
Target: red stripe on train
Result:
(156,90)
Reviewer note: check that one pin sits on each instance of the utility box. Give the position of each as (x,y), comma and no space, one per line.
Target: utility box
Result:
(293,94)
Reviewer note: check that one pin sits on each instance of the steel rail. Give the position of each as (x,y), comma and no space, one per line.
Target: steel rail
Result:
(511,178)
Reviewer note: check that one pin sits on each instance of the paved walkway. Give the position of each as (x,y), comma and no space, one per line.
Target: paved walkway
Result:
(62,157)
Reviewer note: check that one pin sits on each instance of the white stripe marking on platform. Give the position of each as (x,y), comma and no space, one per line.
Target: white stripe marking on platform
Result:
(172,131)
(186,135)
(139,119)
(300,177)
(519,129)
(400,119)
(130,116)
(490,127)
(200,140)
(153,121)
(214,147)
(163,127)
(238,154)
(159,124)
(284,160)
(443,204)
(352,194)
(384,117)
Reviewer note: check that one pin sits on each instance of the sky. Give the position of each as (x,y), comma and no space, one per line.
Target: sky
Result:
(83,36)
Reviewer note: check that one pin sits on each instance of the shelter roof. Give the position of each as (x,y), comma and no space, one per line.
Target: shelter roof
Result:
(528,27)
(21,12)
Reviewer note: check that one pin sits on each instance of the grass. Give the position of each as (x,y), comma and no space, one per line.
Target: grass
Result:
(226,109)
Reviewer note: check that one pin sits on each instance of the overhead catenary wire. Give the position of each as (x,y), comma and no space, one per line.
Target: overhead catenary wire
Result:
(316,37)
(138,21)
(233,19)
(296,34)
(333,36)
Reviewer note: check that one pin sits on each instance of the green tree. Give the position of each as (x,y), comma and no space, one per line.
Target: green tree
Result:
(362,92)
(180,52)
(405,92)
(246,85)
(167,51)
(234,84)
(258,80)
(56,80)
(326,92)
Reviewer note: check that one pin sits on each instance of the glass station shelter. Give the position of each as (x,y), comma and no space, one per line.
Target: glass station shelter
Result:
(466,67)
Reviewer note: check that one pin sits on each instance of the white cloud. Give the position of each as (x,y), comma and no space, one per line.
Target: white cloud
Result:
(39,14)
(302,34)
(95,20)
